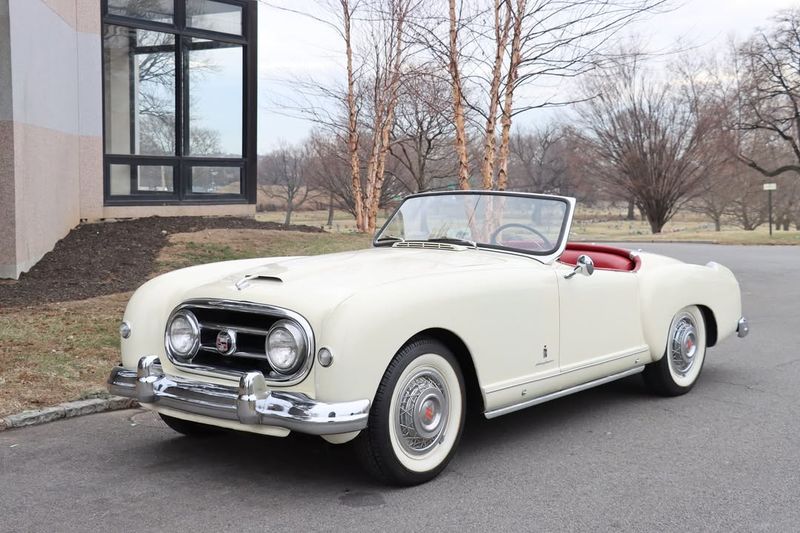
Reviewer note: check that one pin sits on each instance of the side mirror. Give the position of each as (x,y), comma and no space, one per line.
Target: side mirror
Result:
(584,266)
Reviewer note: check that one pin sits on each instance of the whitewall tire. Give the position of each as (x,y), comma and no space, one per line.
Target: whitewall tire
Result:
(678,370)
(417,416)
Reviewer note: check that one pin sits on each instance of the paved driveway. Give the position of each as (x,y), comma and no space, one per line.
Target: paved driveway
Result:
(724,458)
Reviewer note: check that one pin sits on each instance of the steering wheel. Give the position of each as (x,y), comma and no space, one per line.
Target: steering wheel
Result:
(545,244)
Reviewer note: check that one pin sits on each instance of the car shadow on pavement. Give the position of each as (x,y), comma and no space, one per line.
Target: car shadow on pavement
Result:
(263,461)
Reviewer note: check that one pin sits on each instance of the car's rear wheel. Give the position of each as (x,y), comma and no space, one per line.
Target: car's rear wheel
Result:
(677,372)
(189,428)
(417,416)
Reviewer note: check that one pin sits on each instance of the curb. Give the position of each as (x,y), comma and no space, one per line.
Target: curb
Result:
(66,410)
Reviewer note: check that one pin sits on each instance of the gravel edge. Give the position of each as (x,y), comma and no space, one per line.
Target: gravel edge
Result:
(66,410)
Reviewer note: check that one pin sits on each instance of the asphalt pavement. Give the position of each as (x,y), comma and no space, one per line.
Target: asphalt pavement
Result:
(725,457)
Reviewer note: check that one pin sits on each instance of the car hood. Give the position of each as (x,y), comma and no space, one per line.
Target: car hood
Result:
(326,280)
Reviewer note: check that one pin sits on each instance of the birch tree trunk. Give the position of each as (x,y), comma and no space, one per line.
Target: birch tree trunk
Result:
(501,29)
(352,126)
(458,102)
(508,103)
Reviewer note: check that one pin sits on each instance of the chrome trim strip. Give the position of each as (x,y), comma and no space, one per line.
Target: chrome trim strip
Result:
(247,307)
(238,329)
(742,328)
(249,403)
(560,394)
(639,351)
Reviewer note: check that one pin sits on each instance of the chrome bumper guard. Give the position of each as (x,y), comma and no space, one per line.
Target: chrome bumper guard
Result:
(742,328)
(249,403)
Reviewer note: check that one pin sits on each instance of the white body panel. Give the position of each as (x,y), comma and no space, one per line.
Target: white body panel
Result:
(505,308)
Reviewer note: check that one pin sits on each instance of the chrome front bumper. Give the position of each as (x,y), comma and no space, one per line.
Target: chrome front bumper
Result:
(742,328)
(249,403)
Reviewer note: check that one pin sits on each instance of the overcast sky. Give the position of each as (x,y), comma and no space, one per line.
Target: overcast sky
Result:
(292,45)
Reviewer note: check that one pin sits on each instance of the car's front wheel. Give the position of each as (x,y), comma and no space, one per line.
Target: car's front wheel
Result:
(677,372)
(417,416)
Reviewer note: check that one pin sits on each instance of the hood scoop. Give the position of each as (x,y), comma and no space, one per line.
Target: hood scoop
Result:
(426,245)
(250,278)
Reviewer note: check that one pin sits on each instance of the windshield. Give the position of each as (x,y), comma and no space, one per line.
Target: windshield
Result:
(524,223)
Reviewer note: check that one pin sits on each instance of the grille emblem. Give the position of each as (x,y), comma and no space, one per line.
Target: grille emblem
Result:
(226,342)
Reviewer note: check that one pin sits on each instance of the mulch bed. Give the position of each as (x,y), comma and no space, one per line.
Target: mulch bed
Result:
(110,257)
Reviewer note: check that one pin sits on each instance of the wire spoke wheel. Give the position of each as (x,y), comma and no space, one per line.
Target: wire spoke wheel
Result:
(422,411)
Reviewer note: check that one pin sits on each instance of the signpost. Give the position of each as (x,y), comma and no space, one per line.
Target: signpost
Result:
(769,187)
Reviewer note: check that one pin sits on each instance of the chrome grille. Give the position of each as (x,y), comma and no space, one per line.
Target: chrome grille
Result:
(249,323)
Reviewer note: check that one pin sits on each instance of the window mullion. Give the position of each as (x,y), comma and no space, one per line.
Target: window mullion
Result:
(180,14)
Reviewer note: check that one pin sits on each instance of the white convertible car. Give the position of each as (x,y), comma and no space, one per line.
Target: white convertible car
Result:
(467,300)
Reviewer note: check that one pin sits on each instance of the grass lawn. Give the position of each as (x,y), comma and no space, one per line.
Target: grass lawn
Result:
(57,352)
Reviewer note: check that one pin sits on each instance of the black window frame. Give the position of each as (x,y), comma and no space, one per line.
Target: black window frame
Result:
(181,161)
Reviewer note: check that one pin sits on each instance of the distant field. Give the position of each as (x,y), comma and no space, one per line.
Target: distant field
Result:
(595,225)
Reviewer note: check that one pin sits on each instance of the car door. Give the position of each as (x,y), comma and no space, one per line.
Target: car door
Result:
(600,331)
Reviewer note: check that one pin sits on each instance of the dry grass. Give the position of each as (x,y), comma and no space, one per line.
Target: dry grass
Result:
(187,249)
(57,352)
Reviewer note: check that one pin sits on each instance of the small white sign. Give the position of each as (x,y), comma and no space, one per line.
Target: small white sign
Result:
(770,186)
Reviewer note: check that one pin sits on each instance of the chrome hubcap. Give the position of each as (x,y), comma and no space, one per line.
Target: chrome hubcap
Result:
(683,344)
(422,411)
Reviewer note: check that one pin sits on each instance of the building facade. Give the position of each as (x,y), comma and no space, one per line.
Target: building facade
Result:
(122,108)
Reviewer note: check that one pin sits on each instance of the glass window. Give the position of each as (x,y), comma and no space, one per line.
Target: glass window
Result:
(216,180)
(120,180)
(153,10)
(215,99)
(176,75)
(127,180)
(139,91)
(155,178)
(214,16)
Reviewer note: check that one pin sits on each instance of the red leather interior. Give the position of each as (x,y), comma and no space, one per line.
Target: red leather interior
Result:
(604,257)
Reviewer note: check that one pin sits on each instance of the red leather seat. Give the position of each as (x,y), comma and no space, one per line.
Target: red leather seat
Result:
(604,257)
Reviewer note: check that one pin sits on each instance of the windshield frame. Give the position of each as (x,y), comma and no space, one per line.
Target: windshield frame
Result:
(545,256)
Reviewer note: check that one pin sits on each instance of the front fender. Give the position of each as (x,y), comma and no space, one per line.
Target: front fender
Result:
(503,322)
(666,290)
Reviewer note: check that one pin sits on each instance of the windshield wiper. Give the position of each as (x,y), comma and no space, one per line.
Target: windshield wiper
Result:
(453,240)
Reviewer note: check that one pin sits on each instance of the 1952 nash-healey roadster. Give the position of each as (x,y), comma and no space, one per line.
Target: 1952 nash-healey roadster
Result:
(466,299)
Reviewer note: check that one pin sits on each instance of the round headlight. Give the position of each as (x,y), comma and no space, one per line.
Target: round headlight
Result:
(183,335)
(286,346)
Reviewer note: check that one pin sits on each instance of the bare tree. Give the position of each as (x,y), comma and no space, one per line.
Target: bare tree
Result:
(362,113)
(748,209)
(770,91)
(459,113)
(647,137)
(423,131)
(331,172)
(529,41)
(284,171)
(539,160)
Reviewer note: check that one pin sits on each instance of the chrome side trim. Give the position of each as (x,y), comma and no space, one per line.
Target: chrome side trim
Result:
(246,307)
(582,366)
(248,403)
(560,394)
(742,328)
